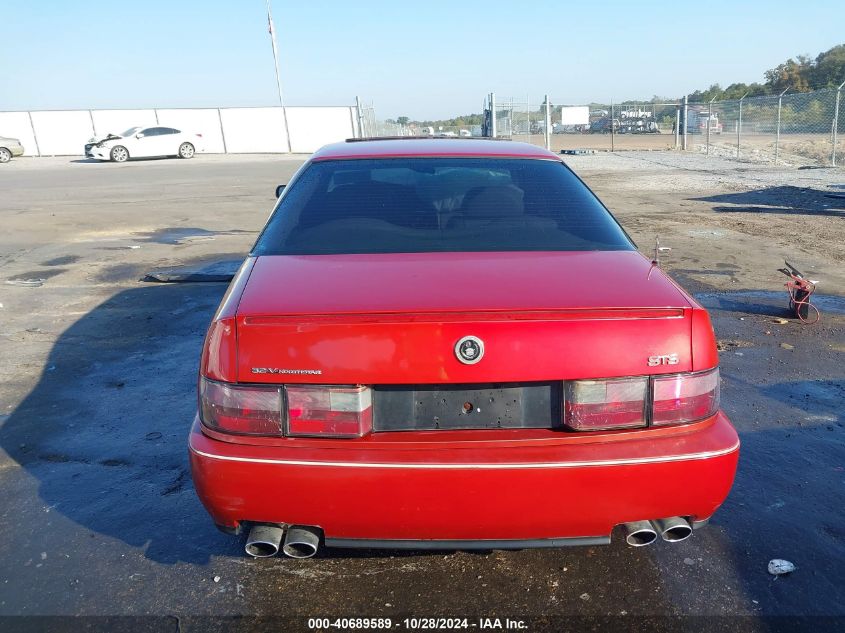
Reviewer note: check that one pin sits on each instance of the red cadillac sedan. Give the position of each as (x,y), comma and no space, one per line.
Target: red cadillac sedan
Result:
(452,344)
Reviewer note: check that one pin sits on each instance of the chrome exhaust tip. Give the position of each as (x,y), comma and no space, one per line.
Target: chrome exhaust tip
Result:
(301,541)
(264,540)
(673,529)
(639,533)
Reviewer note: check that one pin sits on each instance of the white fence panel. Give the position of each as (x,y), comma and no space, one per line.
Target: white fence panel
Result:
(232,130)
(62,133)
(203,121)
(311,128)
(117,121)
(254,130)
(16,125)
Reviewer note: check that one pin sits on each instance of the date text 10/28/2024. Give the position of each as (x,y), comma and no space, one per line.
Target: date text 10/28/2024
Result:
(417,624)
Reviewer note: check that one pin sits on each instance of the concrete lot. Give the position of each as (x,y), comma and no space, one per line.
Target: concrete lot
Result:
(97,379)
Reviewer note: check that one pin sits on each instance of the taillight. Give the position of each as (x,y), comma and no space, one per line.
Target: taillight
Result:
(276,410)
(624,403)
(329,411)
(685,397)
(242,409)
(219,351)
(592,405)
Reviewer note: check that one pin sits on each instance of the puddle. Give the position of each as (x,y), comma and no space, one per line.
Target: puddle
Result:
(61,261)
(180,235)
(33,279)
(37,274)
(765,302)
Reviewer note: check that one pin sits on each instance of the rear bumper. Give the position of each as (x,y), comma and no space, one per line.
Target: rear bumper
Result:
(542,494)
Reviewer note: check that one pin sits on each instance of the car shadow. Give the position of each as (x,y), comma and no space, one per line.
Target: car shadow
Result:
(104,431)
(780,199)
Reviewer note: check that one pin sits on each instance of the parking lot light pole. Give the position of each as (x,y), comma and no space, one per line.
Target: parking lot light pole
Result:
(836,125)
(686,112)
(34,135)
(739,124)
(278,79)
(777,132)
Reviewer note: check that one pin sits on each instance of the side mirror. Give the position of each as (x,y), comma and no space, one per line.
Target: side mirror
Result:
(138,135)
(279,190)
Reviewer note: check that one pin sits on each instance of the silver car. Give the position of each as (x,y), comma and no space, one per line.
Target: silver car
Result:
(9,147)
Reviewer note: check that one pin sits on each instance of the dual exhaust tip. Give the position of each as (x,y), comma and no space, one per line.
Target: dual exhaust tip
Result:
(265,540)
(672,530)
(302,541)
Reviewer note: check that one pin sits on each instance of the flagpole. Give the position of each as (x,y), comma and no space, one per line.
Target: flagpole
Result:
(278,79)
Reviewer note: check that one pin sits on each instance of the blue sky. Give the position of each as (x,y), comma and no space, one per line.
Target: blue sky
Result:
(420,59)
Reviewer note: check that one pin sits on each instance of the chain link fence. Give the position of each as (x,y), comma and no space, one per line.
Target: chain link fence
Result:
(562,126)
(800,129)
(371,126)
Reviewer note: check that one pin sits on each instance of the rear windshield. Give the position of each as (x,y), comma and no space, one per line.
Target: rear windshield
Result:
(419,205)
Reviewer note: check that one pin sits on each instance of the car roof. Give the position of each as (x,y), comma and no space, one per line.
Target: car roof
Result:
(430,146)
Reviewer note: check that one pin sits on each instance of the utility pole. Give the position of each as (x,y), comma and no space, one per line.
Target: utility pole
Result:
(278,79)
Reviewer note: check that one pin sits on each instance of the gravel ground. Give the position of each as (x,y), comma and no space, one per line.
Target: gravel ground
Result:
(97,378)
(714,211)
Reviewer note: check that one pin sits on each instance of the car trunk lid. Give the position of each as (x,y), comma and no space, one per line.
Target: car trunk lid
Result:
(396,318)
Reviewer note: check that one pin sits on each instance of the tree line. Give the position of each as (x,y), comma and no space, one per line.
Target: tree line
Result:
(801,74)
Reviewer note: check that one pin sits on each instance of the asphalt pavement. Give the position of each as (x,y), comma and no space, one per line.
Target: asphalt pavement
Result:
(97,393)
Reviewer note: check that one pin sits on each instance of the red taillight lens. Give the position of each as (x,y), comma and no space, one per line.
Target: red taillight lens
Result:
(329,411)
(592,405)
(318,411)
(219,353)
(243,409)
(685,397)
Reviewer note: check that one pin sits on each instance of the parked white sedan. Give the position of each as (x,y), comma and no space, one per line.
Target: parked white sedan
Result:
(139,142)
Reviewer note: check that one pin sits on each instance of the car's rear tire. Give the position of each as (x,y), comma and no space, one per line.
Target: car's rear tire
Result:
(5,155)
(186,150)
(119,154)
